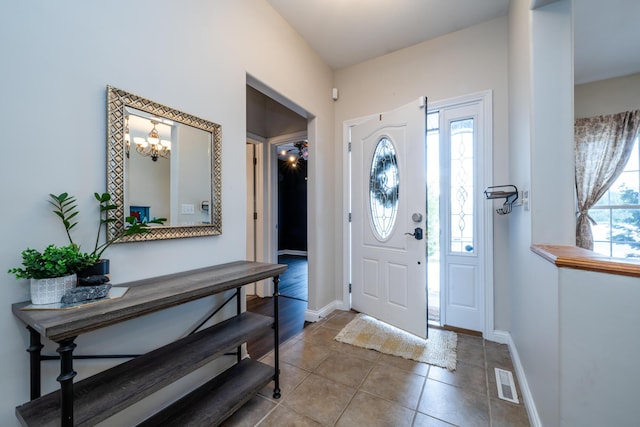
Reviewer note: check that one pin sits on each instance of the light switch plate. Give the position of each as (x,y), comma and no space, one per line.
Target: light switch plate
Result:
(188,209)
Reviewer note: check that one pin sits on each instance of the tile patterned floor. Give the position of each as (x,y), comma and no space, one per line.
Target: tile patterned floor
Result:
(327,383)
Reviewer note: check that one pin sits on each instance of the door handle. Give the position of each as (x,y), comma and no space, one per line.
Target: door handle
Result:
(417,233)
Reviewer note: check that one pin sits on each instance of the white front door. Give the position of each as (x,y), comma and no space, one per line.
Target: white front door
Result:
(388,207)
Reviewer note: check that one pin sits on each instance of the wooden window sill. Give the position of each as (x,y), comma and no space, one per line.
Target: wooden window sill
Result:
(583,259)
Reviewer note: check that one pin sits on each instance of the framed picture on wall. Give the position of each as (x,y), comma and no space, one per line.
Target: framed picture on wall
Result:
(140,213)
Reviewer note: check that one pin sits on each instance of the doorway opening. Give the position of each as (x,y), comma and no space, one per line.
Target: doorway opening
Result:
(277,190)
(292,219)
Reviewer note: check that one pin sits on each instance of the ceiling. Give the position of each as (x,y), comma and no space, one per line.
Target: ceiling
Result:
(606,39)
(347,32)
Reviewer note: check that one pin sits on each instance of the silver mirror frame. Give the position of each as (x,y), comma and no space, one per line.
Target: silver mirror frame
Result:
(117,100)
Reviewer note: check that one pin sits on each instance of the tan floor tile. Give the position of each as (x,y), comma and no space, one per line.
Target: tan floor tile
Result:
(303,333)
(408,365)
(372,411)
(505,414)
(363,353)
(290,377)
(268,358)
(320,377)
(394,384)
(497,355)
(471,377)
(423,420)
(339,320)
(454,405)
(305,355)
(346,370)
(312,325)
(285,417)
(470,349)
(320,399)
(323,336)
(249,414)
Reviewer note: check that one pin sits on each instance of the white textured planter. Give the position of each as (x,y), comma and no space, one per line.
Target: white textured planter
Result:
(49,291)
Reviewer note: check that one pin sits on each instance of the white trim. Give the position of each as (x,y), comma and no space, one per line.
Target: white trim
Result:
(486,100)
(529,403)
(488,211)
(316,315)
(346,206)
(501,337)
(287,138)
(253,138)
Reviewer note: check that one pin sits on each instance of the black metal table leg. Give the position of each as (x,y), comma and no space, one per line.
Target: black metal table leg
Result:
(35,347)
(238,312)
(276,334)
(65,348)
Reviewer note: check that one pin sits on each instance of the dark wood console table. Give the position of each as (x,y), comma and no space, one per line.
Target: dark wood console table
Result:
(98,397)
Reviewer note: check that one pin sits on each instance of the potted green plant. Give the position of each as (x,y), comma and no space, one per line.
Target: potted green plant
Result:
(66,209)
(52,272)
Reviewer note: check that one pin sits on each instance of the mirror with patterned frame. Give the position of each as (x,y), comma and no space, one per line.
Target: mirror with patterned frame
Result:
(162,163)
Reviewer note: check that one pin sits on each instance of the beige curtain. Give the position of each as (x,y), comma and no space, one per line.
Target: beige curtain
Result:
(602,148)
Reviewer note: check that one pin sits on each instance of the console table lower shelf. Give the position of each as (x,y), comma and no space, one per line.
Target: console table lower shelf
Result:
(109,392)
(106,393)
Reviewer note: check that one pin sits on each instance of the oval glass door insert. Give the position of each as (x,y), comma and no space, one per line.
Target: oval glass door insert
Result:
(384,181)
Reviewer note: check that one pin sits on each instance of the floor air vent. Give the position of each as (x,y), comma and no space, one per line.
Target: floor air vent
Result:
(506,386)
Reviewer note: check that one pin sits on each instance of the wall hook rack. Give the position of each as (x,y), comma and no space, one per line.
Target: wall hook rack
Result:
(507,192)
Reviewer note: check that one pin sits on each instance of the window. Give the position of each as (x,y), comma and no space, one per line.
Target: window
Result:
(461,163)
(617,213)
(384,182)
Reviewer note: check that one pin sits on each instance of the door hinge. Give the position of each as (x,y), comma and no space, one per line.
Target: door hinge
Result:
(349,216)
(255,216)
(349,287)
(349,147)
(255,161)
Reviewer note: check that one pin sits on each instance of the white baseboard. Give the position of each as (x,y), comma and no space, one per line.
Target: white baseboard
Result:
(534,418)
(292,252)
(500,337)
(315,315)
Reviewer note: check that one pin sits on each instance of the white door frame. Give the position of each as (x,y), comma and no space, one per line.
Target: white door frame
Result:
(273,184)
(262,287)
(346,202)
(486,175)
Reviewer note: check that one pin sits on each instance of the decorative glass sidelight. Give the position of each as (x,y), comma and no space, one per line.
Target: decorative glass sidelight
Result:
(462,186)
(384,183)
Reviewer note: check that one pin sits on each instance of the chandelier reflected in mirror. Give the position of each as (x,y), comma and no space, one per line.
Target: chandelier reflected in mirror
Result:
(152,145)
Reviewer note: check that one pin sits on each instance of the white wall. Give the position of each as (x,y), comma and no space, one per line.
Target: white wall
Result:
(609,96)
(541,159)
(59,58)
(460,63)
(599,345)
(193,187)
